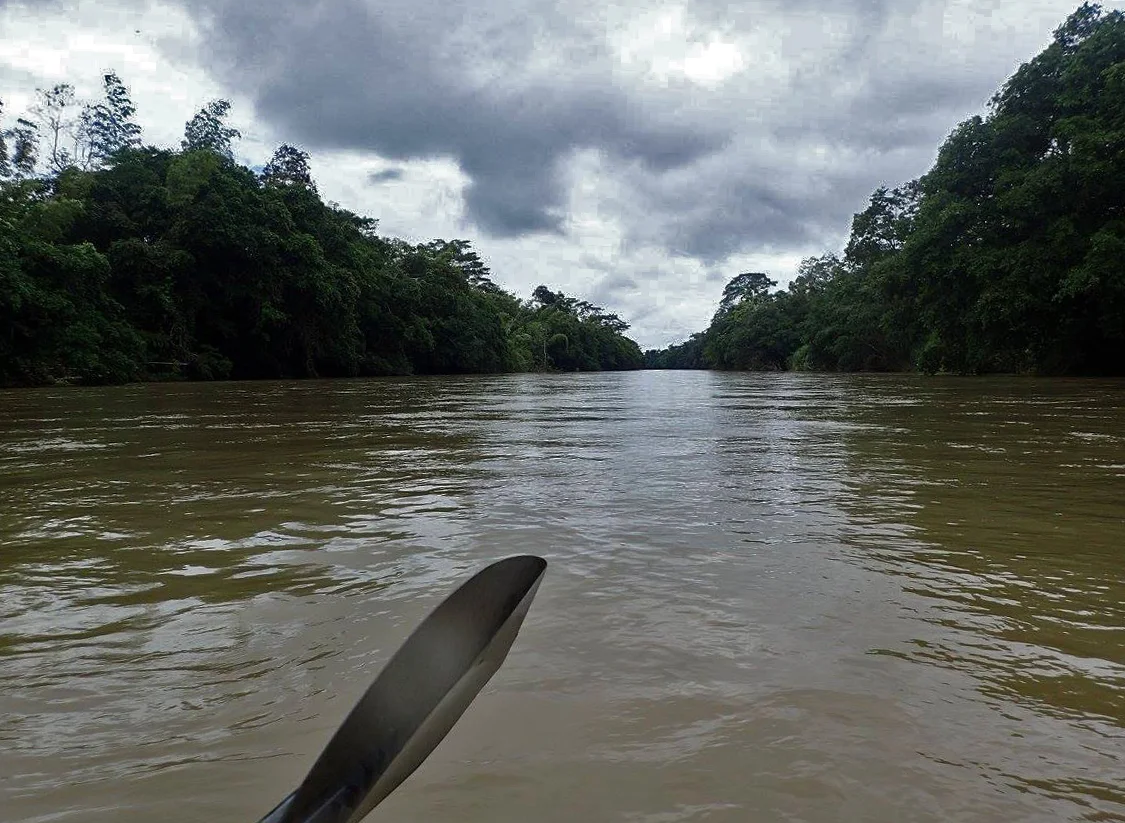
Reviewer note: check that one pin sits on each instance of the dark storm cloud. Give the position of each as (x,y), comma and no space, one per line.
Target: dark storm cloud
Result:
(422,79)
(616,288)
(869,111)
(511,90)
(385,176)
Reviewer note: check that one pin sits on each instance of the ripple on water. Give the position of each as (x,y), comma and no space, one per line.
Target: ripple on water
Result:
(771,597)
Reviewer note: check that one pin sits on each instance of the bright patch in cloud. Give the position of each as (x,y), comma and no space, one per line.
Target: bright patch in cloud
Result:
(666,45)
(713,63)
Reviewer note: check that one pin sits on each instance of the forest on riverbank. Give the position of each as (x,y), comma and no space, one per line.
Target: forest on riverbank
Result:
(122,262)
(1008,255)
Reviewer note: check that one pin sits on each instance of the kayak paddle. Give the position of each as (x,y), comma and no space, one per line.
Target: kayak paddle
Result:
(417,697)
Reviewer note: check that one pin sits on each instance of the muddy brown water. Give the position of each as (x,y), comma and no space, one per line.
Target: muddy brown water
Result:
(771,597)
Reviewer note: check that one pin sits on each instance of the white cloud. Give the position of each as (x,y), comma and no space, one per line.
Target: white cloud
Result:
(425,202)
(665,43)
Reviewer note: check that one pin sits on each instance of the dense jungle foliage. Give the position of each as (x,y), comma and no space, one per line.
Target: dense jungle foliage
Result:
(1007,256)
(121,262)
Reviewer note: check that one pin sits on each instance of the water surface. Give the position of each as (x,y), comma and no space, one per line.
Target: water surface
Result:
(771,597)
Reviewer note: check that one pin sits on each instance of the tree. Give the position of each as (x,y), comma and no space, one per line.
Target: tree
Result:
(289,166)
(207,130)
(5,164)
(544,296)
(610,321)
(109,124)
(558,347)
(814,274)
(19,149)
(686,355)
(24,138)
(460,254)
(882,228)
(66,127)
(742,287)
(1079,26)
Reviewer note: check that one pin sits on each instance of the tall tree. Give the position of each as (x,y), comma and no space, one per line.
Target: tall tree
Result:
(544,296)
(5,164)
(882,228)
(208,130)
(744,286)
(461,255)
(814,274)
(289,166)
(24,152)
(65,126)
(109,124)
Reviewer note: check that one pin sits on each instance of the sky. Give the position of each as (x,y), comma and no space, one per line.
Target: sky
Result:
(634,154)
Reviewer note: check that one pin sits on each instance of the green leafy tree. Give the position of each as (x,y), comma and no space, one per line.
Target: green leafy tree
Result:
(5,162)
(289,166)
(208,130)
(881,229)
(544,296)
(745,286)
(183,264)
(109,124)
(461,255)
(686,355)
(23,139)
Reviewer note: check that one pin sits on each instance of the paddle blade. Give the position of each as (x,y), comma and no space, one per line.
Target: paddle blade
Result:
(421,692)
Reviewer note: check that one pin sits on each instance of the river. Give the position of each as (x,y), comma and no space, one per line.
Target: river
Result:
(770,597)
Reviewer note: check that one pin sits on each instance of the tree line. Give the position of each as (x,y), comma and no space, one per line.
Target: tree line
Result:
(1008,255)
(121,261)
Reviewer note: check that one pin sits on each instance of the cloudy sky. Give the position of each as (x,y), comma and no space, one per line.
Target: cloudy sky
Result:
(635,154)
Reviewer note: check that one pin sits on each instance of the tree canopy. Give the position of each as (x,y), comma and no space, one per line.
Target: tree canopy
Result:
(121,262)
